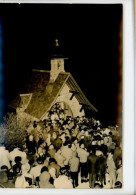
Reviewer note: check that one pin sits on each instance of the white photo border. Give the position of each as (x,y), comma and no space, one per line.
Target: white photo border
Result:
(128,105)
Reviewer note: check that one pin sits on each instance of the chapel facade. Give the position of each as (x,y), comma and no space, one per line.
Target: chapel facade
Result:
(46,90)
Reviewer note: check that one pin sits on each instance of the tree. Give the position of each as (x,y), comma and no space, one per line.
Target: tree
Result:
(12,133)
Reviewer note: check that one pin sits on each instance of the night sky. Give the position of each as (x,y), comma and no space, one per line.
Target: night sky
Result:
(88,34)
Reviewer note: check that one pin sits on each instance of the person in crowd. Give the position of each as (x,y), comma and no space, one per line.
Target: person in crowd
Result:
(83,154)
(117,156)
(101,167)
(3,174)
(45,134)
(52,172)
(9,183)
(59,158)
(17,166)
(4,157)
(25,168)
(36,169)
(74,169)
(23,181)
(92,161)
(44,180)
(46,161)
(48,140)
(16,152)
(57,143)
(44,168)
(58,149)
(119,173)
(103,147)
(51,151)
(41,152)
(31,145)
(63,137)
(53,164)
(67,153)
(63,181)
(107,184)
(35,134)
(53,137)
(111,169)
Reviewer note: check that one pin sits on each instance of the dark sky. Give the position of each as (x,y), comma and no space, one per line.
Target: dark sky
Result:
(89,35)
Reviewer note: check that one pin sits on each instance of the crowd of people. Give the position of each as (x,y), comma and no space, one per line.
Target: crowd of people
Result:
(64,152)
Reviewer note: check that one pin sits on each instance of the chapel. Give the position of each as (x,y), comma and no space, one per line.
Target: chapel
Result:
(48,89)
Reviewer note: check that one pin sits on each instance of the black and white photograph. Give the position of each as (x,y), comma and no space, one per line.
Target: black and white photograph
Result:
(61,72)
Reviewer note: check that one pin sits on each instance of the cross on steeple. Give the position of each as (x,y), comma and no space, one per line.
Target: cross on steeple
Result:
(56,43)
(57,61)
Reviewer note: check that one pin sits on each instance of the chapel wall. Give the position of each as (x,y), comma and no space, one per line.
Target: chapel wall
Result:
(74,104)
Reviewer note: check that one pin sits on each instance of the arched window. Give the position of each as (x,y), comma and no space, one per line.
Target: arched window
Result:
(61,107)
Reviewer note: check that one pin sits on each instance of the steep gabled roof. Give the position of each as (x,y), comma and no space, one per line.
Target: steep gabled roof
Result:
(15,102)
(37,80)
(80,95)
(45,93)
(43,99)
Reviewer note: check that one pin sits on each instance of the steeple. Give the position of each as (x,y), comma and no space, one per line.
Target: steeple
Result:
(56,61)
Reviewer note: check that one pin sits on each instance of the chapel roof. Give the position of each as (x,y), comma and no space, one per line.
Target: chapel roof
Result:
(44,93)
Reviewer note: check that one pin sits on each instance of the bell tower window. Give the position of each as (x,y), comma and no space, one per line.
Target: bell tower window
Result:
(57,62)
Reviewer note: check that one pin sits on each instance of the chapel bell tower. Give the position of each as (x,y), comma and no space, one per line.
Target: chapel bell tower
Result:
(57,62)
